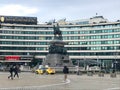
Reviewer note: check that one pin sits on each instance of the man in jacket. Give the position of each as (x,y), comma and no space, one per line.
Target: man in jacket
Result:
(65,71)
(11,70)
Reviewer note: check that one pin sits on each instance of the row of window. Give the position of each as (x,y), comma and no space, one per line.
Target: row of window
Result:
(91,27)
(23,43)
(68,48)
(94,42)
(91,37)
(27,27)
(63,32)
(95,54)
(71,54)
(95,48)
(23,53)
(26,37)
(70,43)
(71,27)
(64,38)
(23,48)
(91,31)
(25,32)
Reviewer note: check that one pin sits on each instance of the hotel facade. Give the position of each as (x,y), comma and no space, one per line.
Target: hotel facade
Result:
(22,40)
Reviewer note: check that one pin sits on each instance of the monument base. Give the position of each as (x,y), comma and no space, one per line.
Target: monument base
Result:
(57,60)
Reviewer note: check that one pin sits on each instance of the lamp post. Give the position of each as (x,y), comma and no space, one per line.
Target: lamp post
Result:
(113,74)
(99,64)
(115,65)
(78,63)
(77,69)
(115,62)
(97,60)
(84,63)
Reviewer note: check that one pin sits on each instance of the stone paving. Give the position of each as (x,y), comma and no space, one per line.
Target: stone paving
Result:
(32,81)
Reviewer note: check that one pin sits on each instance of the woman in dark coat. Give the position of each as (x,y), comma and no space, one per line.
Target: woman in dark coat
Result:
(65,71)
(16,70)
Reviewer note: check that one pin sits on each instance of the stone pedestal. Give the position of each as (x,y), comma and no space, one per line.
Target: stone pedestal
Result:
(57,60)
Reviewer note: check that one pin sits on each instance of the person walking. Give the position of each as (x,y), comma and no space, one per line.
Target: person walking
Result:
(16,70)
(11,72)
(65,71)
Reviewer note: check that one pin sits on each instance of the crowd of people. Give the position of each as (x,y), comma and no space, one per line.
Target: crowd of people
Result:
(14,69)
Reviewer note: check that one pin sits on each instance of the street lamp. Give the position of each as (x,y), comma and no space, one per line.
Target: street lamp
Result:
(97,60)
(115,62)
(78,63)
(113,74)
(115,65)
(84,62)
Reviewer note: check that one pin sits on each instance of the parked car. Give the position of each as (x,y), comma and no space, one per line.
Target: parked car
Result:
(94,68)
(50,71)
(45,70)
(40,71)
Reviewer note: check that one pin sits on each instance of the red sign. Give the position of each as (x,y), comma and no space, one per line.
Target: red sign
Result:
(12,57)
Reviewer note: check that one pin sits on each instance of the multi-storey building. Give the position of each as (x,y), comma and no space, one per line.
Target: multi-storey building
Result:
(91,39)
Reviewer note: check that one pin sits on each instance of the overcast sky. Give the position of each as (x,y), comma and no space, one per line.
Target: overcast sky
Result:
(46,10)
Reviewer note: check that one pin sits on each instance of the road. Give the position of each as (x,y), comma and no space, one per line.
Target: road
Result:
(32,81)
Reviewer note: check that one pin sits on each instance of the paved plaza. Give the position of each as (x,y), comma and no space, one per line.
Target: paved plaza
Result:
(32,81)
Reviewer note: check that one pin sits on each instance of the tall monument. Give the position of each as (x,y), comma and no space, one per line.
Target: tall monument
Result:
(57,55)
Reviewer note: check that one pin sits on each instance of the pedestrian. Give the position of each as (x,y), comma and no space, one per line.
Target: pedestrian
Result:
(16,70)
(77,70)
(65,71)
(11,72)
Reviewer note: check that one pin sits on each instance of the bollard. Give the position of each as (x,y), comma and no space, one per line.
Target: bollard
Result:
(89,73)
(113,75)
(79,73)
(101,74)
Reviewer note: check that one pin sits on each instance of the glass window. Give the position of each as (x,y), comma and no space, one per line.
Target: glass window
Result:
(75,32)
(110,36)
(110,42)
(116,36)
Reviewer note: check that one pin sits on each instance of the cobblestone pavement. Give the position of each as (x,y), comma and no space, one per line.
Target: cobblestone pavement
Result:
(31,81)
